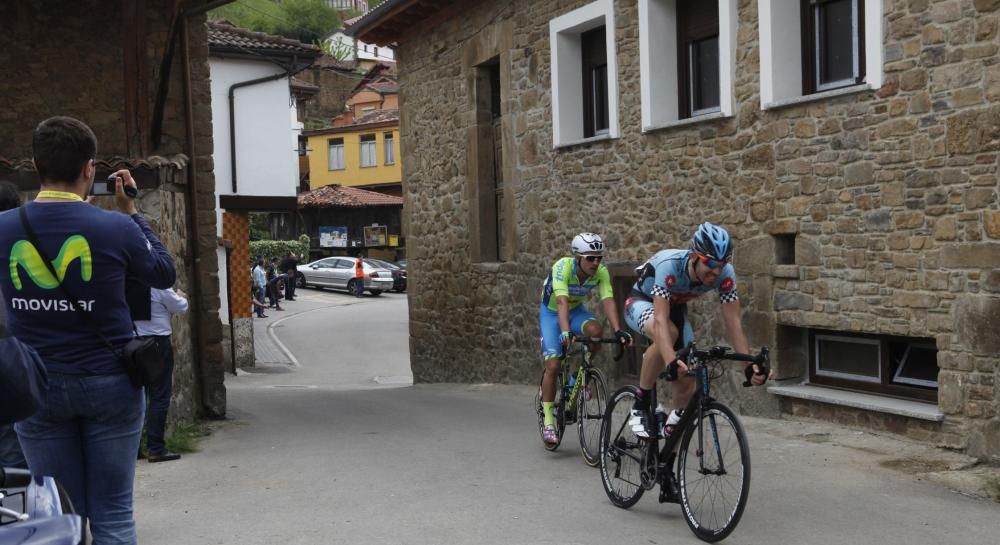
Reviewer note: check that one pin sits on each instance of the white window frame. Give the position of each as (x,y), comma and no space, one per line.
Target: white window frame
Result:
(389,157)
(367,150)
(330,147)
(781,51)
(851,340)
(658,76)
(900,379)
(567,72)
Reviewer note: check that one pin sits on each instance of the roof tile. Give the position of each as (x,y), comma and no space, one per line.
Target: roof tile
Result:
(223,34)
(331,196)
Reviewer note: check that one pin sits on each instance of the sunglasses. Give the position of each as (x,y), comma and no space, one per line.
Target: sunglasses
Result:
(593,258)
(711,263)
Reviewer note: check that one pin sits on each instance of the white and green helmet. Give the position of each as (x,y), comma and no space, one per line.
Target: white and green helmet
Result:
(588,243)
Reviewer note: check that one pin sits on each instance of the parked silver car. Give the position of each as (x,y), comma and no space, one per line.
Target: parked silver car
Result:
(338,273)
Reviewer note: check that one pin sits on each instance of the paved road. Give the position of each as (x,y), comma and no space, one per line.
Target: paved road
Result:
(342,449)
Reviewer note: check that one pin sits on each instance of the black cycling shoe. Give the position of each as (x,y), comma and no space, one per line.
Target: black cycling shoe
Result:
(668,490)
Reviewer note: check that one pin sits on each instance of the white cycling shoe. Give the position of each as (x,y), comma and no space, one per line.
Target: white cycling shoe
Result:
(637,421)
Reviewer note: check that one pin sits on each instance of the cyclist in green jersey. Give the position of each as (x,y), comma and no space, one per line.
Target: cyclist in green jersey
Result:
(562,314)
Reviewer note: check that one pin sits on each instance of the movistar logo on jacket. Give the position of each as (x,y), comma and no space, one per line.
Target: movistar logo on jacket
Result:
(25,255)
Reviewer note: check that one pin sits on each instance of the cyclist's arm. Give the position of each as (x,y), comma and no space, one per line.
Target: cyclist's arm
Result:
(607,294)
(732,317)
(611,311)
(562,309)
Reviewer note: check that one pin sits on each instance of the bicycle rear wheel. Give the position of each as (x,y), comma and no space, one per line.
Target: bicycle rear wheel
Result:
(623,454)
(714,476)
(558,408)
(590,413)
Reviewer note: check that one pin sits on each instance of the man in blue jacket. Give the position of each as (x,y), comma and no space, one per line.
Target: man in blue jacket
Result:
(87,432)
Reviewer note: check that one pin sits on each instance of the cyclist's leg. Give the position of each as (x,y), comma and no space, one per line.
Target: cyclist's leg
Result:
(683,388)
(548,322)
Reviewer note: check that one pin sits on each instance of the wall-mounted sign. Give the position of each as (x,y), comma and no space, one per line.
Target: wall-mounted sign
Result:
(375,235)
(393,240)
(333,237)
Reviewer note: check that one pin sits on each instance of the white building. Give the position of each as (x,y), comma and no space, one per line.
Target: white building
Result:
(255,154)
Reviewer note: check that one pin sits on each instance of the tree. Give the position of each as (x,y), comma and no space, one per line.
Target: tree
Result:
(307,21)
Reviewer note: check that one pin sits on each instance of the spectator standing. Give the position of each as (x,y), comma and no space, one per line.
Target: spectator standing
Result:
(10,449)
(359,277)
(164,305)
(274,279)
(87,432)
(260,285)
(289,266)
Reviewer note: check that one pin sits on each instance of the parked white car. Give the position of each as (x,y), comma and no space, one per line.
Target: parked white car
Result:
(338,273)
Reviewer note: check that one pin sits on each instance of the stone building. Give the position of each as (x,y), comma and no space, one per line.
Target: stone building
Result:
(137,74)
(857,175)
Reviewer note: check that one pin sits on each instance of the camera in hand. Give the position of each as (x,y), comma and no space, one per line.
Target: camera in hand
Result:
(107,187)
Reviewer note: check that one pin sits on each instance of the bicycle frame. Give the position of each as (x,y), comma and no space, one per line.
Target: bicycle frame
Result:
(564,369)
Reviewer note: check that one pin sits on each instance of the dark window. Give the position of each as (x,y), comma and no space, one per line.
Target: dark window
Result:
(833,38)
(595,82)
(897,366)
(698,57)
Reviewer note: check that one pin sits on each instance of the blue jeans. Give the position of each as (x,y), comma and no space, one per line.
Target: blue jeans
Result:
(86,436)
(10,449)
(159,398)
(262,300)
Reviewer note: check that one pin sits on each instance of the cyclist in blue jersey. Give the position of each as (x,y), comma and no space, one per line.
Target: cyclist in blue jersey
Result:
(657,308)
(563,316)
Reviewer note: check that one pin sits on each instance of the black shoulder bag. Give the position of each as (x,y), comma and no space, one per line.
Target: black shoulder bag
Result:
(140,358)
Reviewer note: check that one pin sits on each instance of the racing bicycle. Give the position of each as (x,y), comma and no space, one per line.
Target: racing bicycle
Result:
(579,398)
(712,461)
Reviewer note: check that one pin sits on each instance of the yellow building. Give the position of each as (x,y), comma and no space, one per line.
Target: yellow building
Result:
(362,154)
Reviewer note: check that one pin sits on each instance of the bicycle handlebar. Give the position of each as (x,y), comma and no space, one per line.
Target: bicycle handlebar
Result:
(761,360)
(14,478)
(598,340)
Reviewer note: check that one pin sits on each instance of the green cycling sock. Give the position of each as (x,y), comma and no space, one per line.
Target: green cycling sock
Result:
(550,417)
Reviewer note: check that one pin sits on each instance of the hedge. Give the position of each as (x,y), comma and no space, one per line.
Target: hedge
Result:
(269,249)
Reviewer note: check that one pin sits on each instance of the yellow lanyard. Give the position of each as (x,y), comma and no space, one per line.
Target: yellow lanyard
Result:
(47,194)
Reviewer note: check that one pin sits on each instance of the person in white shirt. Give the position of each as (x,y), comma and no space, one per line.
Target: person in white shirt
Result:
(164,304)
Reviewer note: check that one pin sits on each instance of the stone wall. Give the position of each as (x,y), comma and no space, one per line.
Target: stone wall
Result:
(68,63)
(889,197)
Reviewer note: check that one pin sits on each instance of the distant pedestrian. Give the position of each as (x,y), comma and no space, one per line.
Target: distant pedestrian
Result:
(274,279)
(359,277)
(260,285)
(289,266)
(164,304)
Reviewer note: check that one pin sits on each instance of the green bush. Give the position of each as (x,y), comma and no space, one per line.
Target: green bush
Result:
(279,248)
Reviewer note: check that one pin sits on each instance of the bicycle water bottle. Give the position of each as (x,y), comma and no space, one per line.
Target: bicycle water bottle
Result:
(572,382)
(671,423)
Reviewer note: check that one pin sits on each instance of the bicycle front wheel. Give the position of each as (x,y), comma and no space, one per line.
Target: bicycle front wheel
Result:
(623,454)
(713,467)
(590,414)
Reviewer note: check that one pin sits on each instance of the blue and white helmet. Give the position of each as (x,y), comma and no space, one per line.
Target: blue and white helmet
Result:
(588,243)
(712,241)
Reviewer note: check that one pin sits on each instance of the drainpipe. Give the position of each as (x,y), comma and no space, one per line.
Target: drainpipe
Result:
(232,116)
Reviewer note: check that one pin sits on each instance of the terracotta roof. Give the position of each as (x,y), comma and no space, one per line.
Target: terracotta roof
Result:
(223,35)
(332,196)
(385,87)
(378,116)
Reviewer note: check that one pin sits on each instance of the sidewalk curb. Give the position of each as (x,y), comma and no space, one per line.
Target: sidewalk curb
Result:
(281,346)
